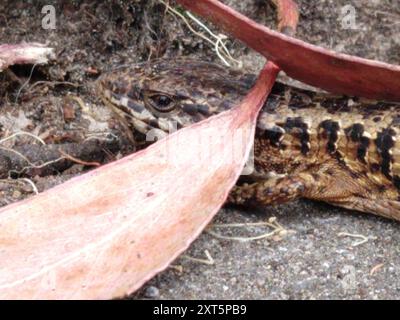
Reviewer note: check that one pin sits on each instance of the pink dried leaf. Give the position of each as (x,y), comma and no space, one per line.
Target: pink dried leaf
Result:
(105,233)
(24,53)
(326,69)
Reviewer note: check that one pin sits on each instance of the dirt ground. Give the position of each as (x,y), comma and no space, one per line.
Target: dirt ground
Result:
(317,257)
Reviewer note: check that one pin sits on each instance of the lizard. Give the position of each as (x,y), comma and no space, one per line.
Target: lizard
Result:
(337,149)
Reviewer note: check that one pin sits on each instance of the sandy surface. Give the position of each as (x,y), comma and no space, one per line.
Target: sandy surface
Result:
(313,260)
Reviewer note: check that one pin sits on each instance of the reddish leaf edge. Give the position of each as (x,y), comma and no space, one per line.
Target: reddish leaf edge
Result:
(326,69)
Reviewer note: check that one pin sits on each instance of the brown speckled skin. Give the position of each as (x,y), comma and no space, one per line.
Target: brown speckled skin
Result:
(340,150)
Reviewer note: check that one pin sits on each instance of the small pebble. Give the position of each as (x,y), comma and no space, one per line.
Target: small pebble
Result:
(152,292)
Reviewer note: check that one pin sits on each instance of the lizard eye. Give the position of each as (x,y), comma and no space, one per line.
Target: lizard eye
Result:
(161,102)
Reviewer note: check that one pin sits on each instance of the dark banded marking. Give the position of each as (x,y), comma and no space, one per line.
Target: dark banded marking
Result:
(126,102)
(203,109)
(363,148)
(192,108)
(356,134)
(396,182)
(303,135)
(331,133)
(299,100)
(385,142)
(135,107)
(154,123)
(274,135)
(336,104)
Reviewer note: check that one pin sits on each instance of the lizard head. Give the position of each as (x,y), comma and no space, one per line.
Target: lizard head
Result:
(163,96)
